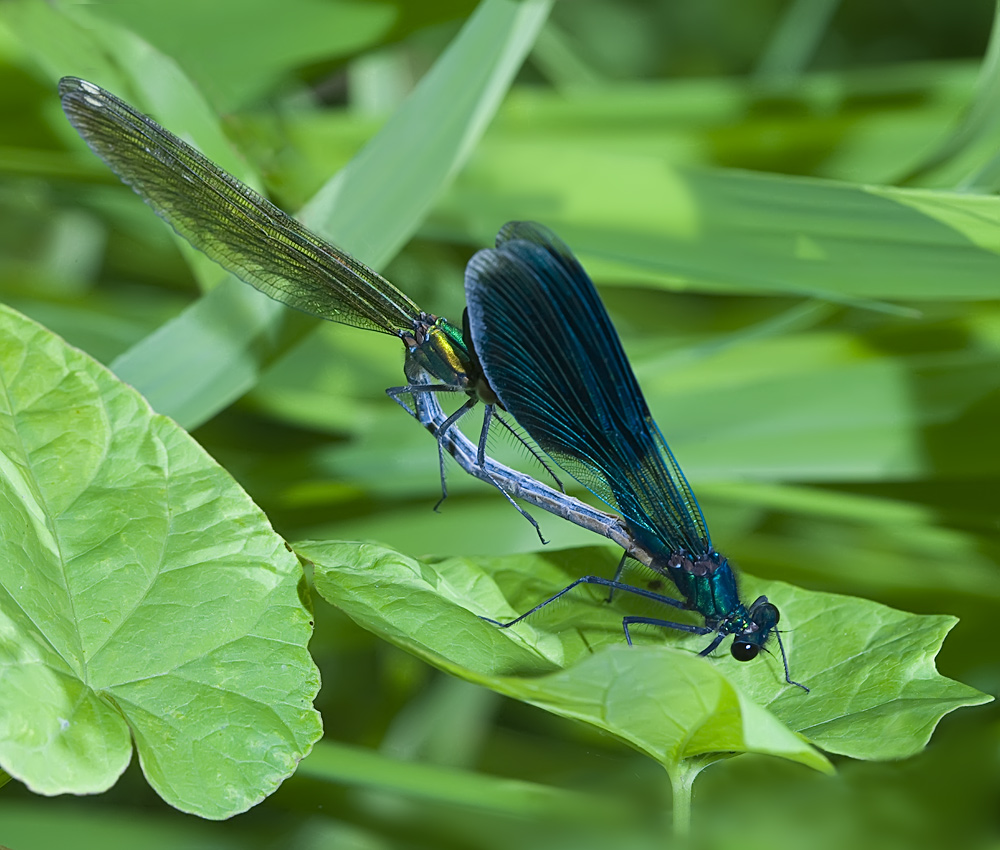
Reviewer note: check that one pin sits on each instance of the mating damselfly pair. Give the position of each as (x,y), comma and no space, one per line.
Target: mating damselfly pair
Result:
(535,342)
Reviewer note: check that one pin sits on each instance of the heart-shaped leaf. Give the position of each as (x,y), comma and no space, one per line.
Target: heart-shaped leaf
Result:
(143,597)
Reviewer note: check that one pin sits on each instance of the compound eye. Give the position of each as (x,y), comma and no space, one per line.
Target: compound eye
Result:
(765,615)
(743,650)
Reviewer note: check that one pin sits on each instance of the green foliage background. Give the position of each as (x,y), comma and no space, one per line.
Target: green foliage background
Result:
(823,356)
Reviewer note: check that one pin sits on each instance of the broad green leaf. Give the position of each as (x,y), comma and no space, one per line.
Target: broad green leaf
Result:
(144,599)
(875,691)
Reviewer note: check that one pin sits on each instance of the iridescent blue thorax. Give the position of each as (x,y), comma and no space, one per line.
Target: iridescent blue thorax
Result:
(708,586)
(706,582)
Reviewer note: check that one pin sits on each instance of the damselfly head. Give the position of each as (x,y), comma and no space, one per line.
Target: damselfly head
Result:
(763,617)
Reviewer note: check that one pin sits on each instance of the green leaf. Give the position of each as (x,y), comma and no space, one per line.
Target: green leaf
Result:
(875,691)
(143,597)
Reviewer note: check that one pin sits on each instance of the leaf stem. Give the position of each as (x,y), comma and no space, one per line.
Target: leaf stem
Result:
(682,777)
(681,782)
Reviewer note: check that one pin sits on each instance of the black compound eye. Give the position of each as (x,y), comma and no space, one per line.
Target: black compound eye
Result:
(743,650)
(765,615)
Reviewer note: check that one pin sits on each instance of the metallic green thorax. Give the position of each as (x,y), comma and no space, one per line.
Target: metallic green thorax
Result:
(438,348)
(435,347)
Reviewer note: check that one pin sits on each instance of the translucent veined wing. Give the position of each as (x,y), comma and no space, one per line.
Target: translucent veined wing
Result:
(225,219)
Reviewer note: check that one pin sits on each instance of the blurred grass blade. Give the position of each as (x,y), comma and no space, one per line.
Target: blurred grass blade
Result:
(555,56)
(338,763)
(636,219)
(795,40)
(235,70)
(978,128)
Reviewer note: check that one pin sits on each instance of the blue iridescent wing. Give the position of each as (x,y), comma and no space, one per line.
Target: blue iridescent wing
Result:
(550,352)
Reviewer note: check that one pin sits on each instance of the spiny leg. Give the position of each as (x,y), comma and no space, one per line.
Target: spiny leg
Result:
(518,508)
(481,448)
(668,624)
(451,420)
(618,574)
(784,661)
(487,416)
(708,650)
(481,460)
(701,630)
(395,392)
(602,582)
